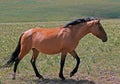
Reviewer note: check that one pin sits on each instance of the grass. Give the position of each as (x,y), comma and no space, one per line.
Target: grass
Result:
(99,61)
(56,10)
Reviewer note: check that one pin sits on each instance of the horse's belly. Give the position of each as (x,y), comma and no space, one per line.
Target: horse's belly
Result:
(48,47)
(48,50)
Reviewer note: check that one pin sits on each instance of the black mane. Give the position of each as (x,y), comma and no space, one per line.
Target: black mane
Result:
(78,21)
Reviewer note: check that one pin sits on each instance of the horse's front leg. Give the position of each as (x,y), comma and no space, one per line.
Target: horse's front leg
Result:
(63,56)
(74,54)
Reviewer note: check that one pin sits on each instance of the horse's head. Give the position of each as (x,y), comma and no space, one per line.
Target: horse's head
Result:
(97,30)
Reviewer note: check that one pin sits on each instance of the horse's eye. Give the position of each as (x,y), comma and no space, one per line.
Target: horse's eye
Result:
(100,28)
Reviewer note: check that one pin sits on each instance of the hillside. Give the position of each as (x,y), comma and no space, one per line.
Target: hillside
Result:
(56,10)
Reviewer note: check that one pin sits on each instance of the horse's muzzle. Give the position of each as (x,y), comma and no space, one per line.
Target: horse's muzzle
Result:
(105,39)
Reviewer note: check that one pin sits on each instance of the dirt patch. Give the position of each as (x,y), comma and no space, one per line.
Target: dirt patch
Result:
(69,81)
(78,78)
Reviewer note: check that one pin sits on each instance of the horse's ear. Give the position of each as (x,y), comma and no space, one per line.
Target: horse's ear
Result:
(98,19)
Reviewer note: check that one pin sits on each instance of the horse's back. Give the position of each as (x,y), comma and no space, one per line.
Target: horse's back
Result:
(49,40)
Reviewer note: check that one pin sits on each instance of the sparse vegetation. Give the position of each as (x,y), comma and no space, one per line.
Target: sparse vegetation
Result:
(99,61)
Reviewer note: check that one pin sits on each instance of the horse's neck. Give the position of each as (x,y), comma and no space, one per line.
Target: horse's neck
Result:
(80,32)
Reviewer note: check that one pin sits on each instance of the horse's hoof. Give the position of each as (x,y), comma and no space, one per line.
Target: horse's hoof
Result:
(41,77)
(63,79)
(71,74)
(14,76)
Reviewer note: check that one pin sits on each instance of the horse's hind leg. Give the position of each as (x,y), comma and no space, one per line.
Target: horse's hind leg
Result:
(23,51)
(33,60)
(15,68)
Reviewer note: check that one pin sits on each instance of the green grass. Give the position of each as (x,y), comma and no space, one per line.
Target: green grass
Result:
(56,10)
(99,61)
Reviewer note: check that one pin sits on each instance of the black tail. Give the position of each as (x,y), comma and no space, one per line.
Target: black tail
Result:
(14,55)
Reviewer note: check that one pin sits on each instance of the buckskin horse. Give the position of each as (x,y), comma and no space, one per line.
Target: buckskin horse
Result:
(55,40)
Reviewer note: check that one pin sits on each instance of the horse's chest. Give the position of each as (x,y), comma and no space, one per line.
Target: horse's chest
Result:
(70,46)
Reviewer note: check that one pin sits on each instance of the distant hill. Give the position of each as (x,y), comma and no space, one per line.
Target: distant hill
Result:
(56,10)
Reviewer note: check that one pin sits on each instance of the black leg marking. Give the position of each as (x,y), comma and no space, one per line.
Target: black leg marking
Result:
(61,70)
(33,60)
(15,68)
(35,70)
(63,56)
(74,54)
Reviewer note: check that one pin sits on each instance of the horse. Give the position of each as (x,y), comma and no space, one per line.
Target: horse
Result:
(63,39)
